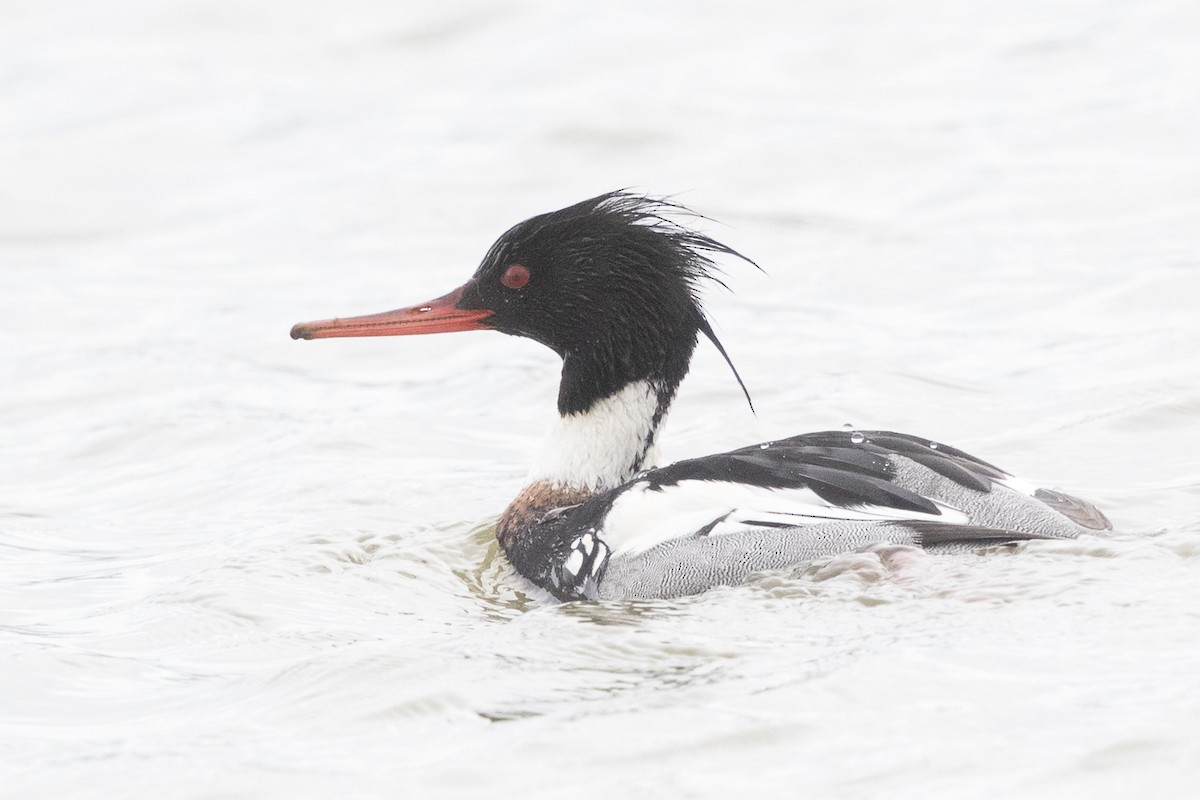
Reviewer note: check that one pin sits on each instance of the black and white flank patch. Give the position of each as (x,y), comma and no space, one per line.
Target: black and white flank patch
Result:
(577,576)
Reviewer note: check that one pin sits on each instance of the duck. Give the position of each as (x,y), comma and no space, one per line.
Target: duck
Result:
(613,284)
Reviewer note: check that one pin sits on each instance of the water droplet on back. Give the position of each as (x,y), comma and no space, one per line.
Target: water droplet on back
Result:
(764,445)
(857,438)
(933,445)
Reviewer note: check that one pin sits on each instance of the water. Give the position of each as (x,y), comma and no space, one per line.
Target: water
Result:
(235,565)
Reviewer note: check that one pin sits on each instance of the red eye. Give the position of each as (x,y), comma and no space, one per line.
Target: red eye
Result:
(516,276)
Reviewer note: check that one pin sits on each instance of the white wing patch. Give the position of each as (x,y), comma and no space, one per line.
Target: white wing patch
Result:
(1017,484)
(642,518)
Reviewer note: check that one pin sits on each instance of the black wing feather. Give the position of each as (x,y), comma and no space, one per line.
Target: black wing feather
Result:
(940,533)
(844,468)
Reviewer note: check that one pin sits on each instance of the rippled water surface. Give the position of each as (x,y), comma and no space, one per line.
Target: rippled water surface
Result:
(234,565)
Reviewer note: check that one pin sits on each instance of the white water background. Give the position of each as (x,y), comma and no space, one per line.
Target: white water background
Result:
(234,565)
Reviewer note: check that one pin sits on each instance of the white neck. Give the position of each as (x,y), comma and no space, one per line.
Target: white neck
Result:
(606,445)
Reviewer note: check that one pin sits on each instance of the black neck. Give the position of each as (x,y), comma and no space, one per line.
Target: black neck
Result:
(599,370)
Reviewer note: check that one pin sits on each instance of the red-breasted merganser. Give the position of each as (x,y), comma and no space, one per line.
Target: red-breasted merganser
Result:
(611,285)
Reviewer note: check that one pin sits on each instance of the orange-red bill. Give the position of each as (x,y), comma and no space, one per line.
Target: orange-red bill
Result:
(436,316)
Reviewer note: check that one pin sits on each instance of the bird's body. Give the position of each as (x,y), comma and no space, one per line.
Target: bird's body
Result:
(610,285)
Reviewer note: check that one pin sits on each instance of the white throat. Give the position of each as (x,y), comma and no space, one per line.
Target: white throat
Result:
(606,445)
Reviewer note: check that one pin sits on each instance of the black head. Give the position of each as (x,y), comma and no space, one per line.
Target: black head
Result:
(610,284)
